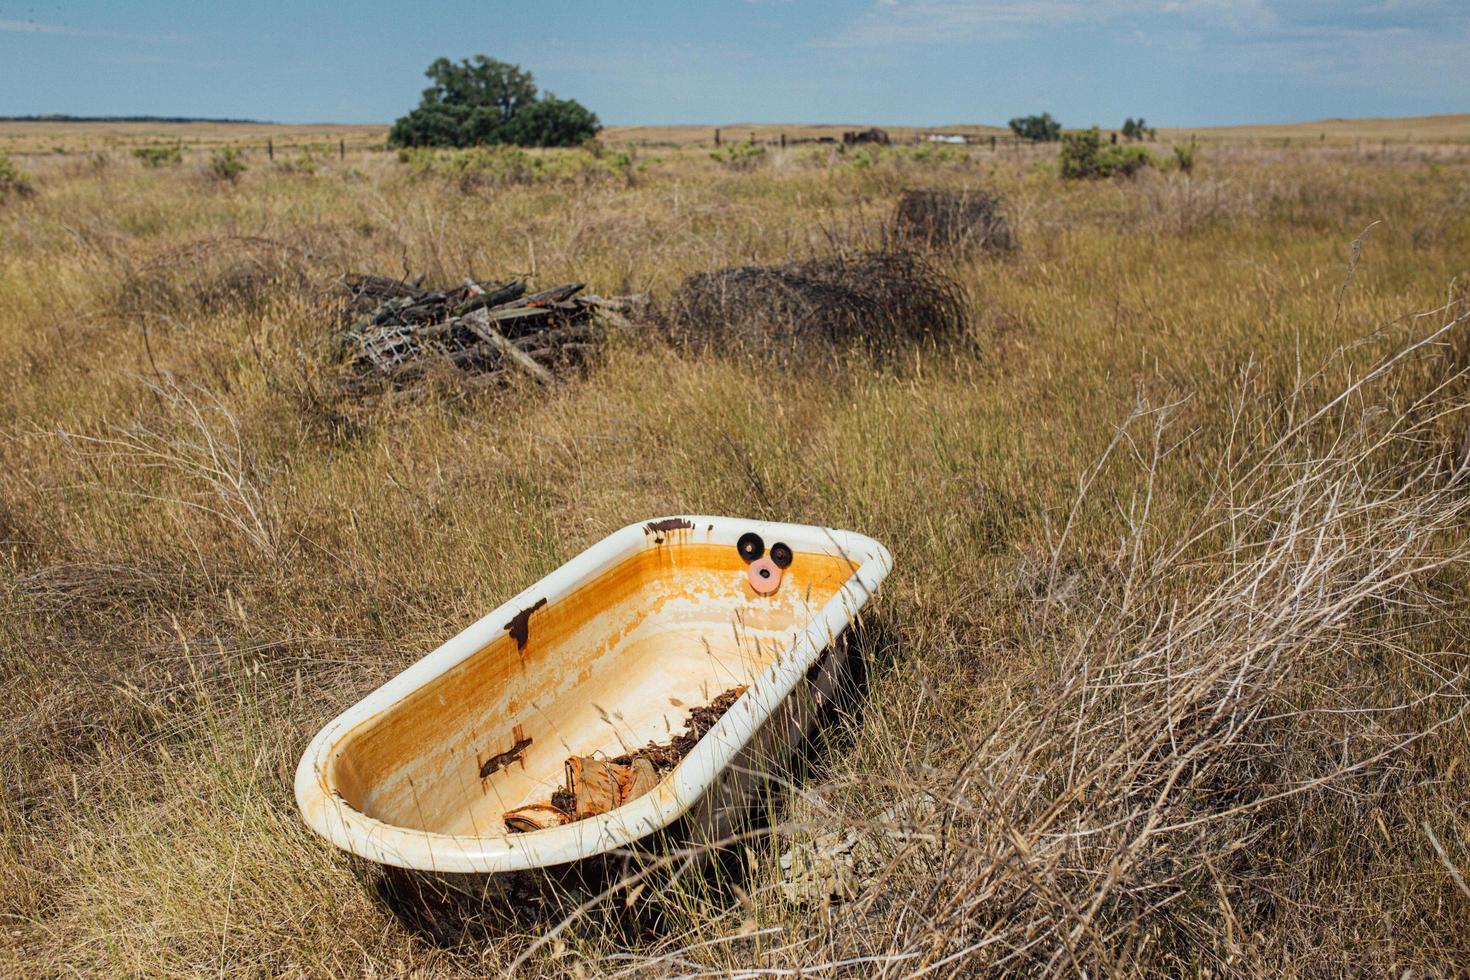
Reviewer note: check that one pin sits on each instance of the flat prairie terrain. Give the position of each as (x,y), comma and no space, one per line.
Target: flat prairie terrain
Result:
(1170,677)
(1439,129)
(31,138)
(90,137)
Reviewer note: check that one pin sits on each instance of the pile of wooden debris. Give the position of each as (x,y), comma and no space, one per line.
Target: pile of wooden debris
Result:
(397,329)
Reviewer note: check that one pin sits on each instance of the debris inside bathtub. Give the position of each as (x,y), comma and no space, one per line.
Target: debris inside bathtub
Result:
(596,785)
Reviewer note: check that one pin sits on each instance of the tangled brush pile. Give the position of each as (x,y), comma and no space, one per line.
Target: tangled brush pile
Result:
(962,222)
(880,301)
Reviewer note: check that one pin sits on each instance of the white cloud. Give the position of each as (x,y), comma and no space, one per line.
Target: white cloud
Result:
(939,21)
(63,30)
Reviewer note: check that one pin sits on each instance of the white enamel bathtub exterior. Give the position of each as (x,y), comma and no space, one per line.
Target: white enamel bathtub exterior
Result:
(709,786)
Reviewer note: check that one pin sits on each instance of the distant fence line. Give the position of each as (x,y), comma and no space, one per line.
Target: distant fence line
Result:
(992,141)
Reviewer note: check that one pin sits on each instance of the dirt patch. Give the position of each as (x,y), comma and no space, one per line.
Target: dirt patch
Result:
(881,301)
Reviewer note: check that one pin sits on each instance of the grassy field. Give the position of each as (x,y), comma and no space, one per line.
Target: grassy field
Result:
(1169,678)
(30,139)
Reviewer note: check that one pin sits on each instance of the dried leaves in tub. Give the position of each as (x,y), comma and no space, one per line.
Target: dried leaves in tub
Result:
(596,785)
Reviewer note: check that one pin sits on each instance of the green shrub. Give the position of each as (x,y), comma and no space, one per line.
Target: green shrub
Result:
(1042,128)
(935,152)
(226,164)
(303,163)
(502,165)
(14,182)
(864,159)
(740,156)
(1185,155)
(1085,156)
(622,164)
(158,156)
(1137,130)
(441,125)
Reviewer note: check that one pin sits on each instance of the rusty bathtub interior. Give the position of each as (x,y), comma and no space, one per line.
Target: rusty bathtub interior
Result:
(606,654)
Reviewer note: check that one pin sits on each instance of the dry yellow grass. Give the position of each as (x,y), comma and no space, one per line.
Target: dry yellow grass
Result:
(35,138)
(1453,128)
(1170,676)
(19,137)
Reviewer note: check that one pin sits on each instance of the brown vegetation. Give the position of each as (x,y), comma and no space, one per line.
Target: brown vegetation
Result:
(880,301)
(965,221)
(1170,677)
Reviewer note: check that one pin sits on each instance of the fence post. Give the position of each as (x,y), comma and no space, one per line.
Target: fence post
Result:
(783,141)
(270,150)
(717,137)
(341,149)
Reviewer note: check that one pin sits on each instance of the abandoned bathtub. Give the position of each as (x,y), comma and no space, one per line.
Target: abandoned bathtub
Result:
(608,653)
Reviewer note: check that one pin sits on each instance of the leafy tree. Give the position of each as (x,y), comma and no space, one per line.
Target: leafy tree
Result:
(1136,130)
(485,101)
(551,122)
(1042,128)
(432,125)
(482,82)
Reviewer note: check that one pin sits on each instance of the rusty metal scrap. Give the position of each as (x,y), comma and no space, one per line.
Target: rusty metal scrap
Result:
(595,785)
(493,329)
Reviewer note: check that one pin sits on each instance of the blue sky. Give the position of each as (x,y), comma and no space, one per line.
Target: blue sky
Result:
(923,62)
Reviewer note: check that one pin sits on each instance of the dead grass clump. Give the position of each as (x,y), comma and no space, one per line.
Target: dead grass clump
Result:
(204,466)
(880,301)
(1238,725)
(14,182)
(962,222)
(221,274)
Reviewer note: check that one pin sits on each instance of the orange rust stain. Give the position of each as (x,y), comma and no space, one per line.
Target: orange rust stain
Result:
(417,737)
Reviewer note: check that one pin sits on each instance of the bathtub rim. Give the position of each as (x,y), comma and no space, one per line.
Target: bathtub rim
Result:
(327,813)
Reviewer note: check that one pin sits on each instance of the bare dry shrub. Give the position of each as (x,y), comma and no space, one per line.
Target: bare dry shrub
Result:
(880,301)
(226,273)
(1229,711)
(962,222)
(202,460)
(1176,204)
(14,182)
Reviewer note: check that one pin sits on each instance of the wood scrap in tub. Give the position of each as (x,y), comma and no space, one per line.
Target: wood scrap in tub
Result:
(595,785)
